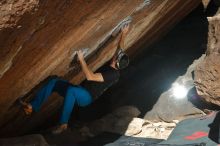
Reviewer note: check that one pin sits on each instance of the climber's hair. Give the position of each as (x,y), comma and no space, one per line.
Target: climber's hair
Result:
(122,61)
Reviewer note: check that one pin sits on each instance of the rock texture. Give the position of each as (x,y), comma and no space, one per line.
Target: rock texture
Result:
(207,74)
(38,40)
(12,11)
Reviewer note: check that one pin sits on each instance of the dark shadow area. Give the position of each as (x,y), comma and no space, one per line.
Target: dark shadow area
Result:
(19,118)
(200,103)
(214,133)
(212,8)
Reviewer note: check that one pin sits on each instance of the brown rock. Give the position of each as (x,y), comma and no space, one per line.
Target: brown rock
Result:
(207,74)
(12,11)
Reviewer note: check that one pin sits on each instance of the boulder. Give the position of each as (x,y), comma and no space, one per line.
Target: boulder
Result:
(207,73)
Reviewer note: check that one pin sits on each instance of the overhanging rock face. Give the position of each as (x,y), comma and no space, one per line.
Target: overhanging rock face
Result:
(40,41)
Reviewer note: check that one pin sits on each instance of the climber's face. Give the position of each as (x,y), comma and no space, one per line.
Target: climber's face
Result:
(113,62)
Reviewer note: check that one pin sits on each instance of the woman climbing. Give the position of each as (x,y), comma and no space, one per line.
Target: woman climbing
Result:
(82,95)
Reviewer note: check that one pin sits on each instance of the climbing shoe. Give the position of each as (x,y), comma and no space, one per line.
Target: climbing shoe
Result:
(60,129)
(27,108)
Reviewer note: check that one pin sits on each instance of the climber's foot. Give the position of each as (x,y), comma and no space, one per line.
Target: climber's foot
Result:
(27,107)
(60,129)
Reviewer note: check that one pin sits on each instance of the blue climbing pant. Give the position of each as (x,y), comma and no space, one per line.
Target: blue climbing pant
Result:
(74,94)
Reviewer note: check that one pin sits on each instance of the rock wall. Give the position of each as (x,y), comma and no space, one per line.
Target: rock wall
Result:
(207,74)
(12,11)
(38,40)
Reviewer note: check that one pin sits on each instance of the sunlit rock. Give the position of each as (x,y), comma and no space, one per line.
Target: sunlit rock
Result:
(207,74)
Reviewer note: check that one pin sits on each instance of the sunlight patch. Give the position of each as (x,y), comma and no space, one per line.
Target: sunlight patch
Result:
(179,91)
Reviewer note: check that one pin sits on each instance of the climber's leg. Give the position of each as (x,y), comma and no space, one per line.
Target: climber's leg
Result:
(83,97)
(75,94)
(42,95)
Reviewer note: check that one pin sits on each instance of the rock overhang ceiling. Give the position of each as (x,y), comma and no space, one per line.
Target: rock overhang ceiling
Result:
(39,39)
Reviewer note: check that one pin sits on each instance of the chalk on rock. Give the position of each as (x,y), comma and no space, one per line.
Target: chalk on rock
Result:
(85,52)
(124,22)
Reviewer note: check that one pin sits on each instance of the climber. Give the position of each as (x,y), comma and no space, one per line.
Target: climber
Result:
(84,94)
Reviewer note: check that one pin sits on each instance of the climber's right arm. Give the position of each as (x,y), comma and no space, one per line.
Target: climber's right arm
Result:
(88,73)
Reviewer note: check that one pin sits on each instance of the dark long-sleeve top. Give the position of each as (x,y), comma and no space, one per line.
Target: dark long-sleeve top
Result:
(96,89)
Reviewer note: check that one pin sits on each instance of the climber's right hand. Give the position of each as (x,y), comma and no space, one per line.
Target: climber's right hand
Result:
(79,54)
(125,29)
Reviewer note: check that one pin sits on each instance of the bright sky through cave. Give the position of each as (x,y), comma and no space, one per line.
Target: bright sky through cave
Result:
(179,91)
